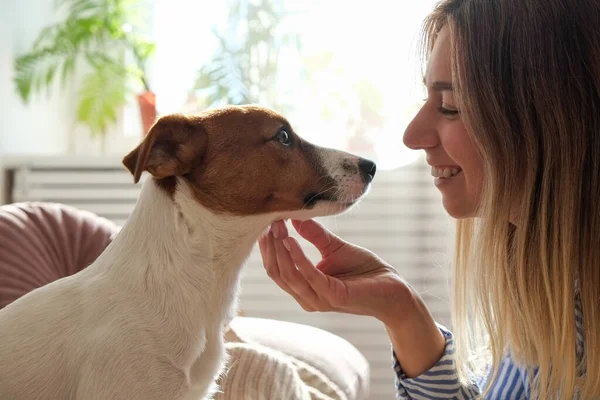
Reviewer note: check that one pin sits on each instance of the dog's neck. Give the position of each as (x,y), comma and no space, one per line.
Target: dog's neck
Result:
(175,242)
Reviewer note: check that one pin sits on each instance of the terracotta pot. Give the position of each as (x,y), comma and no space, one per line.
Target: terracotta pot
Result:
(147,104)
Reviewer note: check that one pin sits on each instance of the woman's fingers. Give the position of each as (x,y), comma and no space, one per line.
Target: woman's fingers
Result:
(262,245)
(293,279)
(279,230)
(271,264)
(324,240)
(270,260)
(291,270)
(318,281)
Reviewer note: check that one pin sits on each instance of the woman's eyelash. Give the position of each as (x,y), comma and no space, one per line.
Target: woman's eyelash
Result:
(446,111)
(443,110)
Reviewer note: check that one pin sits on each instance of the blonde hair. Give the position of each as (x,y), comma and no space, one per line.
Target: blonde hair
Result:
(527,79)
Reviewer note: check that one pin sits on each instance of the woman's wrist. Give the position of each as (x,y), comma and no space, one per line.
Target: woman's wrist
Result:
(401,308)
(418,343)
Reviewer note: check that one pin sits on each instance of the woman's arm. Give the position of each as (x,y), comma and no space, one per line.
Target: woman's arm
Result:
(438,382)
(423,354)
(417,341)
(424,361)
(354,280)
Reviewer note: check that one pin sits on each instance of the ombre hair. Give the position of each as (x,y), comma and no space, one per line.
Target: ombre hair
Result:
(526,75)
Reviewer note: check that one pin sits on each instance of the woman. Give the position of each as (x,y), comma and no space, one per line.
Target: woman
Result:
(511,127)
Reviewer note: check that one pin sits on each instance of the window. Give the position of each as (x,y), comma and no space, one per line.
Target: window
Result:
(346,74)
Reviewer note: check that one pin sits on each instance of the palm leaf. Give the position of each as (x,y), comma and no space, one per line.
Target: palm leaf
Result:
(37,70)
(91,32)
(57,47)
(102,94)
(223,81)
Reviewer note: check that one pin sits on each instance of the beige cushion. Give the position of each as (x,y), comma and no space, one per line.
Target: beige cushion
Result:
(256,372)
(267,373)
(332,356)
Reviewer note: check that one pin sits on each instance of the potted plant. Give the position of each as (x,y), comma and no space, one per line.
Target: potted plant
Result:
(97,35)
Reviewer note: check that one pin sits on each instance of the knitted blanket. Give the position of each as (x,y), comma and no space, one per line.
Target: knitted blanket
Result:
(256,372)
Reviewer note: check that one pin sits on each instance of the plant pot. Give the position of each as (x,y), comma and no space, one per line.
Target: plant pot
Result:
(147,104)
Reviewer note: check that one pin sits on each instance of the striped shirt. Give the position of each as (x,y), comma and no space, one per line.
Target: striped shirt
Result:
(441,381)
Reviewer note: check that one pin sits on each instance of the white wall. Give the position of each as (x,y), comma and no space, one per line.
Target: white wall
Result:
(47,125)
(42,126)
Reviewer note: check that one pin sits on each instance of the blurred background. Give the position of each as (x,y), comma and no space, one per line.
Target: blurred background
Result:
(81,80)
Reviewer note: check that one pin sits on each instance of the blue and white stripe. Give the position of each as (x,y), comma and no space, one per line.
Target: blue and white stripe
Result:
(441,381)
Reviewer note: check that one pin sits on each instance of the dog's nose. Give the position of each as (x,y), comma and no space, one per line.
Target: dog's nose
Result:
(367,169)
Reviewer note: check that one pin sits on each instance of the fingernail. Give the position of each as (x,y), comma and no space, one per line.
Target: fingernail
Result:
(286,244)
(275,230)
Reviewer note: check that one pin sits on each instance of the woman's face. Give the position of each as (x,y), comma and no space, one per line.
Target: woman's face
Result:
(438,129)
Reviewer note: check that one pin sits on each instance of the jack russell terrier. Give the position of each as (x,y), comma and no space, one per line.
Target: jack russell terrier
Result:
(145,320)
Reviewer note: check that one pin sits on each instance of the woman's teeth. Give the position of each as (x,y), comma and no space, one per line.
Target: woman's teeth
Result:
(444,172)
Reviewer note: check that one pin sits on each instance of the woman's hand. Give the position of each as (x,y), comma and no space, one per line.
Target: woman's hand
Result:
(348,279)
(353,280)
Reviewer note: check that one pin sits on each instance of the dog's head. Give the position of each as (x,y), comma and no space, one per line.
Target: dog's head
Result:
(245,160)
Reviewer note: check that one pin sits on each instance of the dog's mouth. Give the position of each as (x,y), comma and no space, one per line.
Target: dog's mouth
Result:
(313,198)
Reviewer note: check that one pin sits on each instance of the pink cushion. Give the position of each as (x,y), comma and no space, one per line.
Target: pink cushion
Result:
(42,242)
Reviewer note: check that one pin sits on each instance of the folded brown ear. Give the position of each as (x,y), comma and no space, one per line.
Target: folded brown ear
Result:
(173,146)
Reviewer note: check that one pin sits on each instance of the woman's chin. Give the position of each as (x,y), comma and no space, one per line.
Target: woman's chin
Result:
(458,208)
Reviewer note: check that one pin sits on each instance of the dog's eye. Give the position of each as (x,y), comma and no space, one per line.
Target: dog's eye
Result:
(283,137)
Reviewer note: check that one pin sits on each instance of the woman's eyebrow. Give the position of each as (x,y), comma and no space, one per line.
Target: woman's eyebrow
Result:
(440,86)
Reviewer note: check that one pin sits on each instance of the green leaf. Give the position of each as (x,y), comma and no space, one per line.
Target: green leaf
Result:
(144,50)
(50,74)
(67,68)
(91,30)
(83,8)
(103,93)
(23,88)
(34,70)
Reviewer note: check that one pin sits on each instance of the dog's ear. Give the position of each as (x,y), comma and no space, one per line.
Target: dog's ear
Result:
(173,146)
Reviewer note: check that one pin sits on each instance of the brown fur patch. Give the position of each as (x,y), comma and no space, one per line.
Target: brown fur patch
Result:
(232,160)
(174,145)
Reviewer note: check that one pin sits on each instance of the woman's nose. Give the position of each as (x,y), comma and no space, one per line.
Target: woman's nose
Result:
(421,132)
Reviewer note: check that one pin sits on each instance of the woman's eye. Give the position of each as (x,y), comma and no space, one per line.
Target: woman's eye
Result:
(284,138)
(447,111)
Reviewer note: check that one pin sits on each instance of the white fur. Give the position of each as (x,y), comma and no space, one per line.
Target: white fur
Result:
(145,320)
(343,168)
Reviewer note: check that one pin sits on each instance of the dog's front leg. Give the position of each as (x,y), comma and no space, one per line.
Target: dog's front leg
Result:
(154,382)
(207,368)
(138,368)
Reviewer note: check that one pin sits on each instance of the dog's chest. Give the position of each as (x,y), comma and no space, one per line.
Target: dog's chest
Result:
(209,318)
(225,292)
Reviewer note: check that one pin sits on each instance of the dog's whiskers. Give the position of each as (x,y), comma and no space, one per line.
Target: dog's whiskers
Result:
(306,203)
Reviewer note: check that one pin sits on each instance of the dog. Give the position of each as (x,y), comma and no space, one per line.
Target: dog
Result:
(145,321)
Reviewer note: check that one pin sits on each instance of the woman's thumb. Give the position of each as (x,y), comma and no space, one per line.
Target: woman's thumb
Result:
(325,241)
